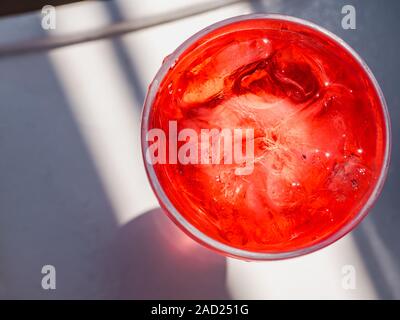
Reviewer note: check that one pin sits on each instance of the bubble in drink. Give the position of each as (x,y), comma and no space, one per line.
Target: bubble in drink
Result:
(320,134)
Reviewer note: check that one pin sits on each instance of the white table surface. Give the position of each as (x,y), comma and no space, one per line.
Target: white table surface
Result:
(74,194)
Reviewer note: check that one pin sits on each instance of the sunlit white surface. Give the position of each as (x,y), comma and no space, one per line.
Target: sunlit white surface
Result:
(108,119)
(320,275)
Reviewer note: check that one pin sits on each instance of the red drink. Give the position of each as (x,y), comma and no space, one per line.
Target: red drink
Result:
(320,136)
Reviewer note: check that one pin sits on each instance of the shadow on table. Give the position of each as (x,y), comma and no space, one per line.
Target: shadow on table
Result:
(156,260)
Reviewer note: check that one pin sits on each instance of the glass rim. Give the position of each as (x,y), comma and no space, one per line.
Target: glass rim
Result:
(200,236)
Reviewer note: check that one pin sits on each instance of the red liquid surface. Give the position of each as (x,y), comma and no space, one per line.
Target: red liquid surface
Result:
(319,134)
